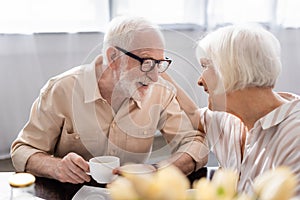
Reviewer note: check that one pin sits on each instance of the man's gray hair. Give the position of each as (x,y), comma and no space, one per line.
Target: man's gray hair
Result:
(122,31)
(244,55)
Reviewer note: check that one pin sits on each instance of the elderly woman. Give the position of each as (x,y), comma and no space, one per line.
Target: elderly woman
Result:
(260,129)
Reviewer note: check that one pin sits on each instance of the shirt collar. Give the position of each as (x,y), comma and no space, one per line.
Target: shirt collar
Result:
(137,99)
(91,88)
(90,83)
(282,112)
(138,103)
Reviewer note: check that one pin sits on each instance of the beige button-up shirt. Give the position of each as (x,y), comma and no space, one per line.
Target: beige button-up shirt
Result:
(273,141)
(71,116)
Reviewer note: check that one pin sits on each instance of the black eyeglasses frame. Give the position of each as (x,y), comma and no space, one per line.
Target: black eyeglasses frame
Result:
(142,60)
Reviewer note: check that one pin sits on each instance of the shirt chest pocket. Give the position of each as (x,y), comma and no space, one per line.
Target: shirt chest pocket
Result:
(139,140)
(69,141)
(137,126)
(140,133)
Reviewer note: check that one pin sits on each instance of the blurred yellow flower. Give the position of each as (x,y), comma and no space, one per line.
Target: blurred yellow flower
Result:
(122,189)
(277,184)
(166,184)
(244,196)
(225,181)
(144,185)
(204,189)
(222,187)
(170,183)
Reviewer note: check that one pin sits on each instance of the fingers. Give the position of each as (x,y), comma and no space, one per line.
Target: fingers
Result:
(80,162)
(73,168)
(116,171)
(78,168)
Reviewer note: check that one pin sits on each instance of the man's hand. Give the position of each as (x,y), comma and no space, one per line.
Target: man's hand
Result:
(183,161)
(72,168)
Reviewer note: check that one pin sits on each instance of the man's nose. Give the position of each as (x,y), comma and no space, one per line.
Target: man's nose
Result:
(153,74)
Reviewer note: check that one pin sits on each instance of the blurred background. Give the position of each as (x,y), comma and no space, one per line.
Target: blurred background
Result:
(42,38)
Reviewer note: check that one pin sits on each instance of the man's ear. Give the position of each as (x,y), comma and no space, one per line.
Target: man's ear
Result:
(111,55)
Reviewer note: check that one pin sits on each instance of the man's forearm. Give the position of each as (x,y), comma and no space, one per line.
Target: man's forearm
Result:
(181,160)
(186,103)
(71,168)
(41,164)
(186,163)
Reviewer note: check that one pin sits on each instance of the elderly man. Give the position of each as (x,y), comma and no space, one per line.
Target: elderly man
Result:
(112,106)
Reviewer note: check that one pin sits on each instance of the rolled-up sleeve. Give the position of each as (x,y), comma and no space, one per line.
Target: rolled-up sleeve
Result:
(40,134)
(181,135)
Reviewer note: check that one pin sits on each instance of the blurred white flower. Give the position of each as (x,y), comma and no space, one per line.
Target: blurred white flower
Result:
(244,196)
(277,184)
(122,189)
(225,181)
(204,189)
(144,184)
(171,184)
(222,187)
(166,184)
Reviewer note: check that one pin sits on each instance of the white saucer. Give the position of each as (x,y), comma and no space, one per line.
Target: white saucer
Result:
(90,193)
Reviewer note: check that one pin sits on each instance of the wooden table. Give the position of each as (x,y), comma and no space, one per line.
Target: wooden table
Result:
(54,190)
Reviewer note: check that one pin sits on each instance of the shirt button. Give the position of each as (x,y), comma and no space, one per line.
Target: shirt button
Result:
(145,132)
(113,152)
(77,137)
(113,124)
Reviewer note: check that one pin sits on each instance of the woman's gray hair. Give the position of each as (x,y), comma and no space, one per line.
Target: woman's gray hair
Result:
(244,55)
(122,31)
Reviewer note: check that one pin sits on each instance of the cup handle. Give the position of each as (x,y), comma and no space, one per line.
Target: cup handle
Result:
(88,173)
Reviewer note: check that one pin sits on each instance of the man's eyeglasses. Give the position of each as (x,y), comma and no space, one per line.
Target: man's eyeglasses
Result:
(147,64)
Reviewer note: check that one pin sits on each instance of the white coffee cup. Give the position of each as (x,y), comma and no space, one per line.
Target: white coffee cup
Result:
(101,168)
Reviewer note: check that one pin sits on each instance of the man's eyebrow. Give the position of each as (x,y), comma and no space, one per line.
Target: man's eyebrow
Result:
(150,57)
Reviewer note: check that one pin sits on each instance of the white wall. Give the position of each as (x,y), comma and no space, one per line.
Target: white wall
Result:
(28,61)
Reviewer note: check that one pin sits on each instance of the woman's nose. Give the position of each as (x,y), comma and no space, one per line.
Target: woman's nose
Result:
(200,81)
